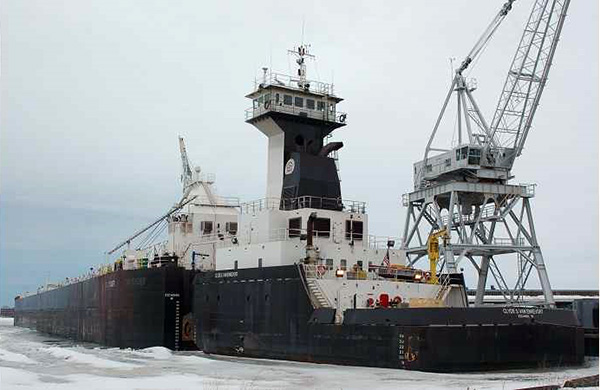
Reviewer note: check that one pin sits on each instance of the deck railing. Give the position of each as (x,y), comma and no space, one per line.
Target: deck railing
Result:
(303,202)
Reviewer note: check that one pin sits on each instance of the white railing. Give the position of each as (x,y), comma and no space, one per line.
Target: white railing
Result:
(303,202)
(325,114)
(384,242)
(284,80)
(529,189)
(500,241)
(227,201)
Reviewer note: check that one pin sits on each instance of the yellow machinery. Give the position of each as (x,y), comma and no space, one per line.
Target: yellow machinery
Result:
(433,251)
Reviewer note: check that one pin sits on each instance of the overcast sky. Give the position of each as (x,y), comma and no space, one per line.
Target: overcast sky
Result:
(94,94)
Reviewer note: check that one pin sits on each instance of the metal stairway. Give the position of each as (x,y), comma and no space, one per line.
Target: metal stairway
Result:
(317,297)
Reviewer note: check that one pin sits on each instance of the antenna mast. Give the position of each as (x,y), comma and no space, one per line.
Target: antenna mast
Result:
(301,53)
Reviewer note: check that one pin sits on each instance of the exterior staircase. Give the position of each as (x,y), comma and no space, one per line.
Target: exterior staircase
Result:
(442,293)
(319,299)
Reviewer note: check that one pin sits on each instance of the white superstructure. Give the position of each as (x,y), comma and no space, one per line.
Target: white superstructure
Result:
(303,221)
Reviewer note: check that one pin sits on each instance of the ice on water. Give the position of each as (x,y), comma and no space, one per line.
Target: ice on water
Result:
(30,360)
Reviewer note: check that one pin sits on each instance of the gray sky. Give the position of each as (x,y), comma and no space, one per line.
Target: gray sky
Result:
(95,93)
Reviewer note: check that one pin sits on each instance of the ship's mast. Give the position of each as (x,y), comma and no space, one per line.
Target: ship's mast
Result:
(301,53)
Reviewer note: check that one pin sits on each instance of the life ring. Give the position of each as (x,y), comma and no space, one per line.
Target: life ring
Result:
(397,300)
(343,118)
(427,276)
(370,302)
(267,104)
(321,269)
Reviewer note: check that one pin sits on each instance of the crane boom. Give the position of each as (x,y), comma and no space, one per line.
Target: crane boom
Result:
(486,36)
(186,175)
(178,206)
(527,76)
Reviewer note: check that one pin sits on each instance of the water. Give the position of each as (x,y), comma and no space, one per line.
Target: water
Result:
(30,360)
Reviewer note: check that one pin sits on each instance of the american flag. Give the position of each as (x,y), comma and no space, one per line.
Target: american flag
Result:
(386,258)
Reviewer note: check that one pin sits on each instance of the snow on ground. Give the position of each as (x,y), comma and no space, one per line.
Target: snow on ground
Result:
(30,360)
(77,356)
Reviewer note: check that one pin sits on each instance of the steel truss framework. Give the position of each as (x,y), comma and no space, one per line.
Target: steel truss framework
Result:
(490,225)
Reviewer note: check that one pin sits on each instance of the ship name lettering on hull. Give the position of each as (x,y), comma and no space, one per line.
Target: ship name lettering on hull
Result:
(231,274)
(523,312)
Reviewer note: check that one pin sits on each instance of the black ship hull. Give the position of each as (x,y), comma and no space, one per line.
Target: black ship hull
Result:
(266,313)
(127,309)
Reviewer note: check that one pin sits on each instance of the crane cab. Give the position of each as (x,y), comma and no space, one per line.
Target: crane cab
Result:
(463,162)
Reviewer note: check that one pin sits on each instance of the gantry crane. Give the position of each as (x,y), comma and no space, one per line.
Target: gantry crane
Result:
(464,187)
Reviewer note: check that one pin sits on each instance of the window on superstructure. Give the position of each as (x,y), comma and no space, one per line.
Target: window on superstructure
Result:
(260,262)
(343,264)
(310,104)
(276,98)
(321,106)
(287,100)
(354,230)
(322,227)
(235,264)
(295,227)
(231,228)
(329,263)
(448,162)
(206,227)
(298,102)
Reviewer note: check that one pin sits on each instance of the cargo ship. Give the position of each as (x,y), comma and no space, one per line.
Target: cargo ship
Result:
(297,275)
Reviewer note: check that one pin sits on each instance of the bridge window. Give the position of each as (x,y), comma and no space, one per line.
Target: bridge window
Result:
(287,100)
(298,102)
(310,104)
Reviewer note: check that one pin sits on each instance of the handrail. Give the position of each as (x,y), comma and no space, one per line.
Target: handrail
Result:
(351,206)
(284,80)
(326,115)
